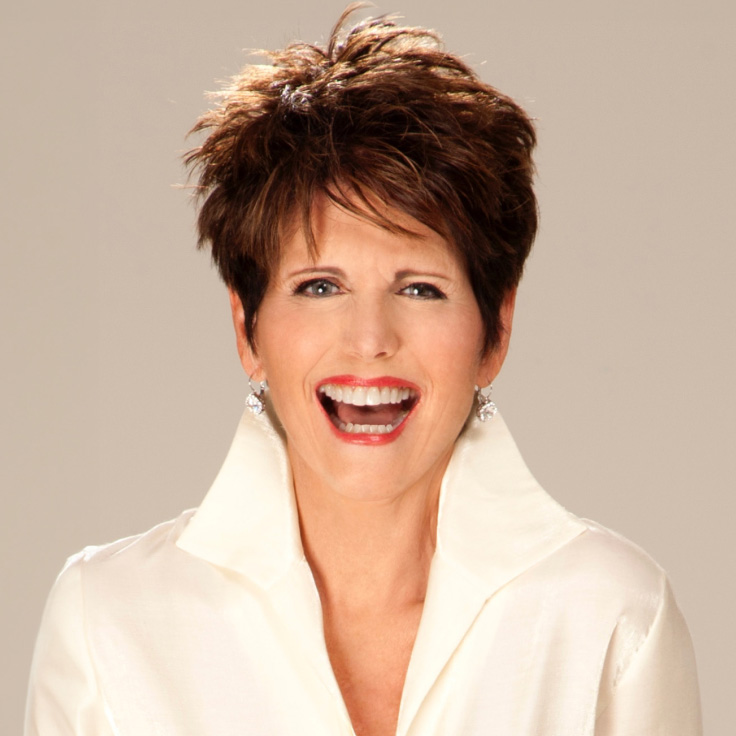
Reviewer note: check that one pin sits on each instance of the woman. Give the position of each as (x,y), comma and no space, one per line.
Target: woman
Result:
(374,557)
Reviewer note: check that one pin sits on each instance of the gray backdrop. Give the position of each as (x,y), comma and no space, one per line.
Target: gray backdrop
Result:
(120,383)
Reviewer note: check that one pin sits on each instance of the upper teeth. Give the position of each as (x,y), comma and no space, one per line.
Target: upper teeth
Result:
(366,395)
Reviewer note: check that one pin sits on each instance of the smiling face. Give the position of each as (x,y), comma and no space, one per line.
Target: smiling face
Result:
(371,353)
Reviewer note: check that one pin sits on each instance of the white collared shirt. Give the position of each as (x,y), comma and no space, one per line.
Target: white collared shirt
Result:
(536,623)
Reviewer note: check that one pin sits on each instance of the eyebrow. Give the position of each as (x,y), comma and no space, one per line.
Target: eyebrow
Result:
(316,270)
(398,276)
(408,274)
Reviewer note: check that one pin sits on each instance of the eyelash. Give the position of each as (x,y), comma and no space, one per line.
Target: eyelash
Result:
(305,285)
(422,290)
(430,291)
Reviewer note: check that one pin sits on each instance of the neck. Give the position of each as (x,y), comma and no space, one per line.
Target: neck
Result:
(368,550)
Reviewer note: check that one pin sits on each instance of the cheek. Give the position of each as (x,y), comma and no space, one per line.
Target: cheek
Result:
(289,348)
(456,346)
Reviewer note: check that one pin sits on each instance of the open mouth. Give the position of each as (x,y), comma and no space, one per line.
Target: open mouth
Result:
(367,409)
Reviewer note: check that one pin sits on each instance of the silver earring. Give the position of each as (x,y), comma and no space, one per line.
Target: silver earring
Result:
(254,400)
(485,409)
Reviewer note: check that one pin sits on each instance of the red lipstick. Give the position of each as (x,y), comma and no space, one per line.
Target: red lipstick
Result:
(389,381)
(368,438)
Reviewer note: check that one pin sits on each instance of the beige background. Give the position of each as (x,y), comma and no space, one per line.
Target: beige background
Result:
(120,385)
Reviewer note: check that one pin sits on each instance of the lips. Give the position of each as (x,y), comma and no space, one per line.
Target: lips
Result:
(363,408)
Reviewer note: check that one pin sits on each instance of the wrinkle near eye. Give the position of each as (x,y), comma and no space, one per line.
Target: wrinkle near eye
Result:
(317,288)
(423,291)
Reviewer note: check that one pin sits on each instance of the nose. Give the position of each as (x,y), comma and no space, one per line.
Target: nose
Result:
(371,330)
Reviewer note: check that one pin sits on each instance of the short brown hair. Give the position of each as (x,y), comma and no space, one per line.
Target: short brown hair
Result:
(382,112)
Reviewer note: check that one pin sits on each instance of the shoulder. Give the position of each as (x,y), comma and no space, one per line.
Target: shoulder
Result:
(604,575)
(124,570)
(608,600)
(157,541)
(151,546)
(607,594)
(602,557)
(596,587)
(648,672)
(98,585)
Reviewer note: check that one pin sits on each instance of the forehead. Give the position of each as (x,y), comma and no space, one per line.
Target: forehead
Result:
(381,234)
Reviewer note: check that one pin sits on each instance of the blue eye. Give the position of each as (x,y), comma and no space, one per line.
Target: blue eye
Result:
(317,288)
(422,291)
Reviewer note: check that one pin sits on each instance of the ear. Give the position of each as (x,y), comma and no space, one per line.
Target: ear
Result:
(248,357)
(491,364)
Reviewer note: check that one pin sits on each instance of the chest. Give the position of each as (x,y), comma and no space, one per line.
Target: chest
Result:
(370,654)
(236,662)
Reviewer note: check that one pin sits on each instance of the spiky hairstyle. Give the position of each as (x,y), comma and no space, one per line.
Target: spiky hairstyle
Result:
(384,113)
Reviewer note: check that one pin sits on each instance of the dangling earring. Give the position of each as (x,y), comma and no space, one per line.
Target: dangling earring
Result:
(254,400)
(485,409)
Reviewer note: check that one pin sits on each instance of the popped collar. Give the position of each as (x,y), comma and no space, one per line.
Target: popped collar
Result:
(495,521)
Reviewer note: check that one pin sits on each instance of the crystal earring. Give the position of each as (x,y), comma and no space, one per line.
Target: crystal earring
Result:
(485,409)
(254,400)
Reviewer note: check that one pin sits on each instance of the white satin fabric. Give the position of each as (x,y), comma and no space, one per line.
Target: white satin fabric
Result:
(536,623)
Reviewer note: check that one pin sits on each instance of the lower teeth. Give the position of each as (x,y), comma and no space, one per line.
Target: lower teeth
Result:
(351,428)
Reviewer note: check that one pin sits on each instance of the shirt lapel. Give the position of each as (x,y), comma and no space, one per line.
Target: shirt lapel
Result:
(248,523)
(495,522)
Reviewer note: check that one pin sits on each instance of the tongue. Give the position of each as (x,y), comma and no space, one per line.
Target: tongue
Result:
(381,414)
